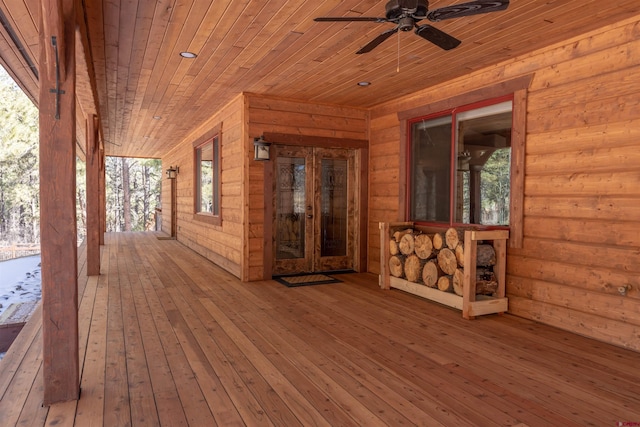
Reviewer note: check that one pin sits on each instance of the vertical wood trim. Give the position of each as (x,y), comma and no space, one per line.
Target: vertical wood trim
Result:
(403,208)
(94,225)
(518,150)
(468,291)
(363,217)
(268,220)
(103,196)
(174,207)
(384,279)
(500,269)
(245,193)
(60,367)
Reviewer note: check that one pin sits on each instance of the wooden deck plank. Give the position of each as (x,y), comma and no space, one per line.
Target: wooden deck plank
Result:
(17,393)
(143,405)
(275,355)
(301,362)
(209,356)
(117,407)
(169,407)
(194,405)
(493,384)
(298,360)
(538,373)
(171,339)
(482,353)
(91,404)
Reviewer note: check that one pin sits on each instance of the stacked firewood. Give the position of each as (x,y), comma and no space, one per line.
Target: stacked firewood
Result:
(437,260)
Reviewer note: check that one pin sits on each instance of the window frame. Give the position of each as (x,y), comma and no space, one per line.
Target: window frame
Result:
(213,137)
(517,88)
(453,114)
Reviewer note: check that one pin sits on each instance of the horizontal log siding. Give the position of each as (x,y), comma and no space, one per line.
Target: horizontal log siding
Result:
(220,244)
(276,115)
(582,184)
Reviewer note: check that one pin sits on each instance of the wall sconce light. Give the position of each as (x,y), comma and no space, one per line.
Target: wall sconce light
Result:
(172,172)
(261,149)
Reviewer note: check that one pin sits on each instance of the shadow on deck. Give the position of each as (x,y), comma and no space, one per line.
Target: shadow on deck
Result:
(167,338)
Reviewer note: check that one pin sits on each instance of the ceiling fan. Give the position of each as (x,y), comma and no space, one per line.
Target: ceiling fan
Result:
(407,13)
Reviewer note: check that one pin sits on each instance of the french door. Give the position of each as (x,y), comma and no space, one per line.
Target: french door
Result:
(314,210)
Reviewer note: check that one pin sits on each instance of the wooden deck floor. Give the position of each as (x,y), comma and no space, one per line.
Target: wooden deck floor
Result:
(168,338)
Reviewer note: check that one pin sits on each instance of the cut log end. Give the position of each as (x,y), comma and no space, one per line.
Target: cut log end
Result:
(445,283)
(407,244)
(430,274)
(395,266)
(453,237)
(447,261)
(412,268)
(423,246)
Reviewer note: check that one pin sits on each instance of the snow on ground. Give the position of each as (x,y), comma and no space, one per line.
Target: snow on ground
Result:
(19,281)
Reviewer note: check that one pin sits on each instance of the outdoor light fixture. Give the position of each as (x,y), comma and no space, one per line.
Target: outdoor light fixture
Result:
(189,55)
(172,172)
(261,149)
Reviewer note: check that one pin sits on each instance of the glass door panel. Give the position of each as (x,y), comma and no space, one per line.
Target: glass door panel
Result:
(290,202)
(293,216)
(335,185)
(333,207)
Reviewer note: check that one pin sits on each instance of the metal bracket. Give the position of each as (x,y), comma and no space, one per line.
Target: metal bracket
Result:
(57,89)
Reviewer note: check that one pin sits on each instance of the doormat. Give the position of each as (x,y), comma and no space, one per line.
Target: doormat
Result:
(306,280)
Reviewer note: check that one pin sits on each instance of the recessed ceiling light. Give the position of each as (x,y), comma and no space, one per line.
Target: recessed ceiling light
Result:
(188,54)
(364,83)
(157,117)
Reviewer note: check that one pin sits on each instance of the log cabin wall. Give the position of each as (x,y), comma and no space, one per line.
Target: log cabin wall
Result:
(290,117)
(221,244)
(238,245)
(579,265)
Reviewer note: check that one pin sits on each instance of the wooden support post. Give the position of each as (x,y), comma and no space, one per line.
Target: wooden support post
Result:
(94,226)
(60,367)
(469,287)
(384,256)
(103,196)
(174,207)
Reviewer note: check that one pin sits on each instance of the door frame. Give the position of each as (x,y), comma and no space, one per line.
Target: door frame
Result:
(361,148)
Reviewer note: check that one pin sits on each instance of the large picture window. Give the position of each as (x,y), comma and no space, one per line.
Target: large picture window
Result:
(459,165)
(207,178)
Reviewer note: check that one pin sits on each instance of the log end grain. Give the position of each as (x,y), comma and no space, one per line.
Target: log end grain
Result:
(447,261)
(423,246)
(395,266)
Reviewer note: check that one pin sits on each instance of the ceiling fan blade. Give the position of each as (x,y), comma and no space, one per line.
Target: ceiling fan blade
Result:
(467,9)
(375,42)
(349,19)
(437,37)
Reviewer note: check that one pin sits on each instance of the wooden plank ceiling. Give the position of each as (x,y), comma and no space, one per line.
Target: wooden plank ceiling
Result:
(150,97)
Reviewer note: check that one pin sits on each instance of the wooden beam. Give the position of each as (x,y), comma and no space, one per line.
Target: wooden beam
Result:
(55,45)
(94,225)
(58,204)
(314,141)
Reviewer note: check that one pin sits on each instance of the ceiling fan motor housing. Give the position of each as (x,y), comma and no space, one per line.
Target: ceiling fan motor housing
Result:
(404,8)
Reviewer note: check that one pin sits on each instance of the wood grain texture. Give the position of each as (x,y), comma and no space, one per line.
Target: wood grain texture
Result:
(211,350)
(57,205)
(580,199)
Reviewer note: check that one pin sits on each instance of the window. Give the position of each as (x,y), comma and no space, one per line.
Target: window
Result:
(459,165)
(207,179)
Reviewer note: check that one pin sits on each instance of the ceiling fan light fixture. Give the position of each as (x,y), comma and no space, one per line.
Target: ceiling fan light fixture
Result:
(189,55)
